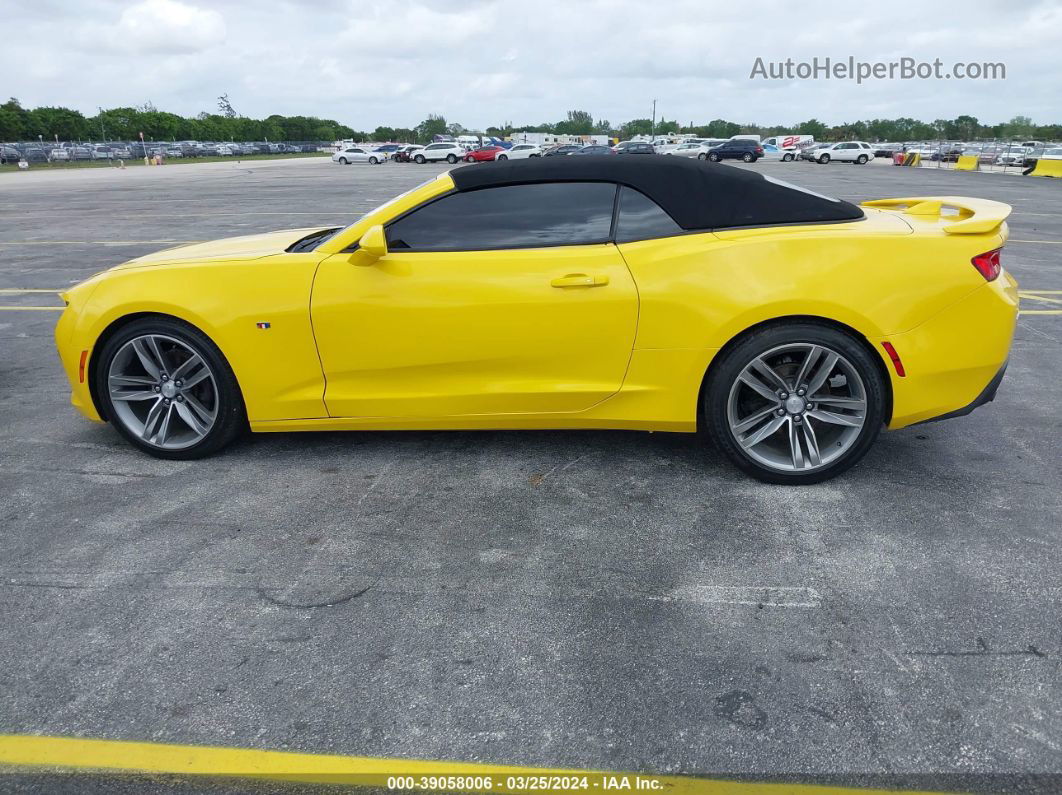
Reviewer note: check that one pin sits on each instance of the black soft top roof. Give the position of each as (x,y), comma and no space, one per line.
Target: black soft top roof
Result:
(697,194)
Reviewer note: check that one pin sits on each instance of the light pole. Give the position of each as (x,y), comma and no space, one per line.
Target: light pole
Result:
(652,126)
(103,133)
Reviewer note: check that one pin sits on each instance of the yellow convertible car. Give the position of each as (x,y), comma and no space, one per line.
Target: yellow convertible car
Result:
(651,293)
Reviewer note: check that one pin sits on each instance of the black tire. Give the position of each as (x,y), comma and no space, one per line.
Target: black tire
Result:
(862,160)
(419,160)
(713,157)
(534,155)
(231,418)
(788,158)
(748,157)
(824,159)
(502,157)
(344,162)
(702,156)
(451,159)
(726,369)
(373,161)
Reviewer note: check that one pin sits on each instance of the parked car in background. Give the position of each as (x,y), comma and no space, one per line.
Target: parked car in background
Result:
(1012,156)
(521,151)
(812,151)
(59,154)
(886,149)
(565,149)
(744,149)
(484,154)
(34,154)
(691,149)
(594,149)
(9,155)
(858,152)
(1052,153)
(772,152)
(388,149)
(449,151)
(634,148)
(357,154)
(404,154)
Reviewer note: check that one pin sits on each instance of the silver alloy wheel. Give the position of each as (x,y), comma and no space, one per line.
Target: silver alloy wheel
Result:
(797,407)
(163,391)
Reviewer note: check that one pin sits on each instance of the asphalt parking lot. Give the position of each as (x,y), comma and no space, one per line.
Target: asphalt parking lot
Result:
(606,600)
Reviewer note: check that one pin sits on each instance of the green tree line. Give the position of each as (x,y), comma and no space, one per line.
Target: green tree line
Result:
(25,124)
(126,124)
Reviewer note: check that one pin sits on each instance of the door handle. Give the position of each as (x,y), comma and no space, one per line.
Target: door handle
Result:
(580,280)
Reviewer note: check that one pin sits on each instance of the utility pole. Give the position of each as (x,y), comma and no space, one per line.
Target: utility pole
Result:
(652,127)
(103,132)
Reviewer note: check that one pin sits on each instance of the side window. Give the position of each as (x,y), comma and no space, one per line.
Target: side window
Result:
(511,216)
(640,218)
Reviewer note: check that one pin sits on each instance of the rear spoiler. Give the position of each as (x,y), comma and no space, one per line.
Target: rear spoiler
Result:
(959,215)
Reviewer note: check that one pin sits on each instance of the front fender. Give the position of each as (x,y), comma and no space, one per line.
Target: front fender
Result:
(275,363)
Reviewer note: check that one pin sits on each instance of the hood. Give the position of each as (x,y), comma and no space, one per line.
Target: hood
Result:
(244,247)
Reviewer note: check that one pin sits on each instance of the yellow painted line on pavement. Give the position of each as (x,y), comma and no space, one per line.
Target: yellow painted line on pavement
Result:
(1054,242)
(1040,312)
(21,751)
(1044,298)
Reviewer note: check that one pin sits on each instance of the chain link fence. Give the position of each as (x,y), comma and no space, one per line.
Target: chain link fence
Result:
(42,152)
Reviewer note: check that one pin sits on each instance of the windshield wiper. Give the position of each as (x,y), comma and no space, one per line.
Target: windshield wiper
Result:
(311,241)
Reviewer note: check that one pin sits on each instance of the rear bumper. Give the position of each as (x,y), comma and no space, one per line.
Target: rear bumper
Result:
(988,394)
(954,361)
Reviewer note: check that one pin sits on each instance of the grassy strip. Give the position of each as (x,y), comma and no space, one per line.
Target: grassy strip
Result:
(169,161)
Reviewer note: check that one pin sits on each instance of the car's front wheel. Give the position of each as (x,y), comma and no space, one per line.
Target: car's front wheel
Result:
(713,157)
(824,159)
(343,161)
(451,159)
(419,160)
(374,160)
(795,403)
(502,157)
(787,158)
(166,387)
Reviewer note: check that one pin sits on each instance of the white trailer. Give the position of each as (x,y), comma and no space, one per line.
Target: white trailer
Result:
(791,142)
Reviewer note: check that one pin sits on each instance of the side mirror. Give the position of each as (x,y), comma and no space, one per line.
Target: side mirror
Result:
(374,242)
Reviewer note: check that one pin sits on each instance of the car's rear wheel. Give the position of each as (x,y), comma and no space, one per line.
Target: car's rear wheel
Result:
(344,161)
(713,157)
(795,403)
(748,157)
(166,387)
(702,156)
(451,159)
(862,160)
(824,159)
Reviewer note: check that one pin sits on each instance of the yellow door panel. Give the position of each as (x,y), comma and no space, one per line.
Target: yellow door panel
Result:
(416,334)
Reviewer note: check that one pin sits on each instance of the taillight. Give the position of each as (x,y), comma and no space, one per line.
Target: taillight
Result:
(987,264)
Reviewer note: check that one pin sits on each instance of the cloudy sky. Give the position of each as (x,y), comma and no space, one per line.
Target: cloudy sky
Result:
(483,62)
